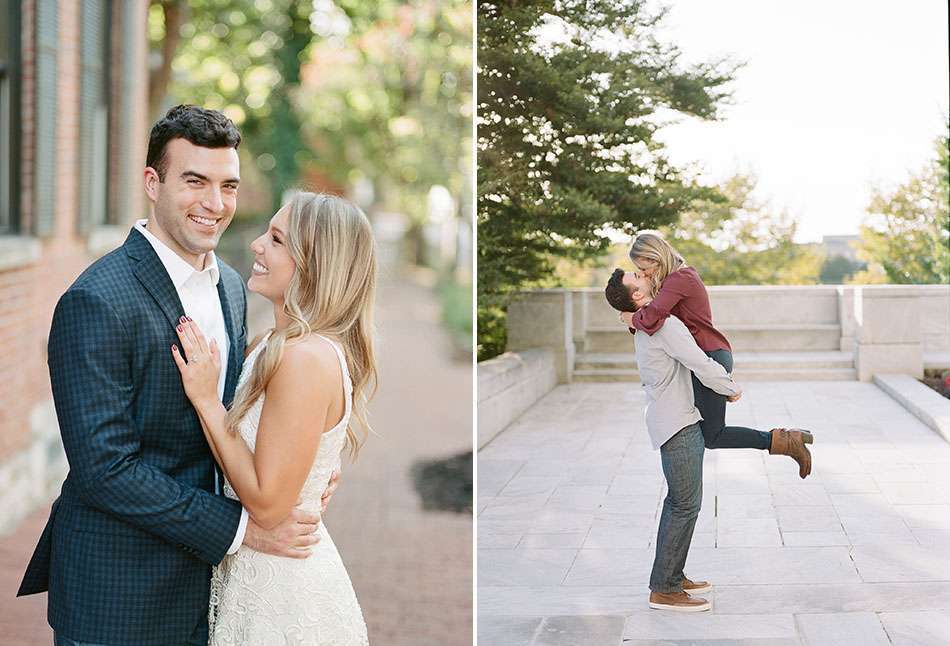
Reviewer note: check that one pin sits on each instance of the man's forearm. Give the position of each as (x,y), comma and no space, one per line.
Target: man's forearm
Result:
(149,499)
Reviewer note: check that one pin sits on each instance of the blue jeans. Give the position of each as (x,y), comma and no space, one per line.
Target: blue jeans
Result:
(682,458)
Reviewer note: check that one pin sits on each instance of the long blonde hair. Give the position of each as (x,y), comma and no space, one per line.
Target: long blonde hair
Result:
(651,245)
(331,293)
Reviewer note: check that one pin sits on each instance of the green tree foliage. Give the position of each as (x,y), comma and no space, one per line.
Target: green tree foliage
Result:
(739,241)
(837,270)
(906,238)
(391,99)
(374,91)
(243,58)
(570,96)
(731,240)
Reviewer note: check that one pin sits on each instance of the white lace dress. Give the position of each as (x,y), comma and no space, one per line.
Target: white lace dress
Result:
(263,600)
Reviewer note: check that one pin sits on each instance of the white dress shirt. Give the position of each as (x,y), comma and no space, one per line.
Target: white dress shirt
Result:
(198,292)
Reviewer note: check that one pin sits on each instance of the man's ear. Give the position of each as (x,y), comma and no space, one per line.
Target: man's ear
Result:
(151,183)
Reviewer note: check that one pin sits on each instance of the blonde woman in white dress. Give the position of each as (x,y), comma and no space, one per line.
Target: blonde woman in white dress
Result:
(302,387)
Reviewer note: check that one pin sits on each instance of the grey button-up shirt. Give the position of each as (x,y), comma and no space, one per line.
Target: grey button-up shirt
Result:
(665,361)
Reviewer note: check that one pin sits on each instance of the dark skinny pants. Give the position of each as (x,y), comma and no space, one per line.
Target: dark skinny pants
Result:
(712,406)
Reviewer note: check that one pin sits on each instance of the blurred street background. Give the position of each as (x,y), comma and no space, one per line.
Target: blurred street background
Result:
(369,100)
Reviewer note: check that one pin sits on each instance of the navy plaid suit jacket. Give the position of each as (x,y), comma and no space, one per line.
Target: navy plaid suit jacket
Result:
(127,551)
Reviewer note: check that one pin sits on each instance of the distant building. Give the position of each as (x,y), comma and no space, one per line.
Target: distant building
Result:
(841,246)
(73,136)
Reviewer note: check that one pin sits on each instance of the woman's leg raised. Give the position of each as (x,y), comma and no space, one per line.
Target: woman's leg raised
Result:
(712,406)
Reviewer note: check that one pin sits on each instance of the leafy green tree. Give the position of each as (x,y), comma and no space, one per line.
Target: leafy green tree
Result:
(837,270)
(245,59)
(906,237)
(739,241)
(570,96)
(731,240)
(376,91)
(389,101)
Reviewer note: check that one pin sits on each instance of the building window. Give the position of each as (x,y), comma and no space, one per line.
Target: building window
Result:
(45,118)
(9,115)
(94,114)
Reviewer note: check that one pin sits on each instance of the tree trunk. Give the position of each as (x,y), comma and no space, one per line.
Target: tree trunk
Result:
(174,12)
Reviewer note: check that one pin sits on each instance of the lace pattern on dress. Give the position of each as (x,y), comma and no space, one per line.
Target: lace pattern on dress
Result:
(258,599)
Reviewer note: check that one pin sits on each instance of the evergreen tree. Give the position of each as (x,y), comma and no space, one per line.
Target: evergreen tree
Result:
(571,94)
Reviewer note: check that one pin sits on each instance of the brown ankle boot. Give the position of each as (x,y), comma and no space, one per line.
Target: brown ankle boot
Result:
(791,442)
(678,601)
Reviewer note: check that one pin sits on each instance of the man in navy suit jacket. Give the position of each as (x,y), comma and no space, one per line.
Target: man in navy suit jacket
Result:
(127,551)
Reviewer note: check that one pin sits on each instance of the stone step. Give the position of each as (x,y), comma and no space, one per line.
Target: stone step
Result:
(743,360)
(741,375)
(749,366)
(937,359)
(742,337)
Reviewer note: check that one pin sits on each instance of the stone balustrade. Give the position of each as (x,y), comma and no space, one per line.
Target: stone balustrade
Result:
(509,385)
(887,328)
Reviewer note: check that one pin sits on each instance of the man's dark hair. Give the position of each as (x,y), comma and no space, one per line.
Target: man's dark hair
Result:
(202,127)
(618,294)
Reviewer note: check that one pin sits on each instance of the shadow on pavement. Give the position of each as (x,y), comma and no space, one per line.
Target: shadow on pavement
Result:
(445,485)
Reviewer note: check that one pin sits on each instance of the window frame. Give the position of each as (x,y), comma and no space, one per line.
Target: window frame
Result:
(11,73)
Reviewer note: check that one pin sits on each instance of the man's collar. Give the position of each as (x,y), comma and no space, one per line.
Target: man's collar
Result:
(178,270)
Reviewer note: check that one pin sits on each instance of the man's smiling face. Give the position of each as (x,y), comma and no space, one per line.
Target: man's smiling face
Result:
(196,202)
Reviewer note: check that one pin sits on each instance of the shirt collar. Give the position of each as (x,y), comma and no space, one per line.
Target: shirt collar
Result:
(178,270)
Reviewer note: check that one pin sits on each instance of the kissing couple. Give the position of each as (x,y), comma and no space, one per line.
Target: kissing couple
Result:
(200,463)
(685,366)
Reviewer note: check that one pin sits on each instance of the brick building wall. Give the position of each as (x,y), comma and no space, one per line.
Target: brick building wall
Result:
(36,269)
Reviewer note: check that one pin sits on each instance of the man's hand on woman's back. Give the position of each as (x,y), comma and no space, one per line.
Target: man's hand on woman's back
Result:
(292,538)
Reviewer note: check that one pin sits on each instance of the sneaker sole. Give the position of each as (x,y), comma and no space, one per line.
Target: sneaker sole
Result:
(664,606)
(702,590)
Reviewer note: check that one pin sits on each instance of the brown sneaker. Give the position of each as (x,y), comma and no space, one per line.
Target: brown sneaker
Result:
(696,587)
(678,602)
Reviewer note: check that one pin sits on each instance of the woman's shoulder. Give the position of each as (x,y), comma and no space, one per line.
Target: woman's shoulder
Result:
(686,275)
(308,367)
(313,355)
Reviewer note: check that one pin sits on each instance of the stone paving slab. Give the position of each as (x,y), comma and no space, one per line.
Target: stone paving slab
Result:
(843,628)
(859,552)
(909,628)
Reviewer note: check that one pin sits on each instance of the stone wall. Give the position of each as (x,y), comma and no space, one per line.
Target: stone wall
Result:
(887,328)
(36,270)
(508,385)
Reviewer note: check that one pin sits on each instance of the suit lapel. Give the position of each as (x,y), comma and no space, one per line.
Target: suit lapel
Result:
(235,353)
(150,271)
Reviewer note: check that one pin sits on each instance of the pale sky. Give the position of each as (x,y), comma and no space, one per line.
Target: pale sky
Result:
(836,97)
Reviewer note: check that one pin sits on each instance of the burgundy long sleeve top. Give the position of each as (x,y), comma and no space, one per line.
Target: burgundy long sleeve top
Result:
(684,295)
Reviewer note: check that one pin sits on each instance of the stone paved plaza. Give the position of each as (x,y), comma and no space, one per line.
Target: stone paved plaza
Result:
(858,553)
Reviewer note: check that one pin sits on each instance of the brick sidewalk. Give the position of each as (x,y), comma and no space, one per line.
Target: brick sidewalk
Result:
(22,621)
(412,569)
